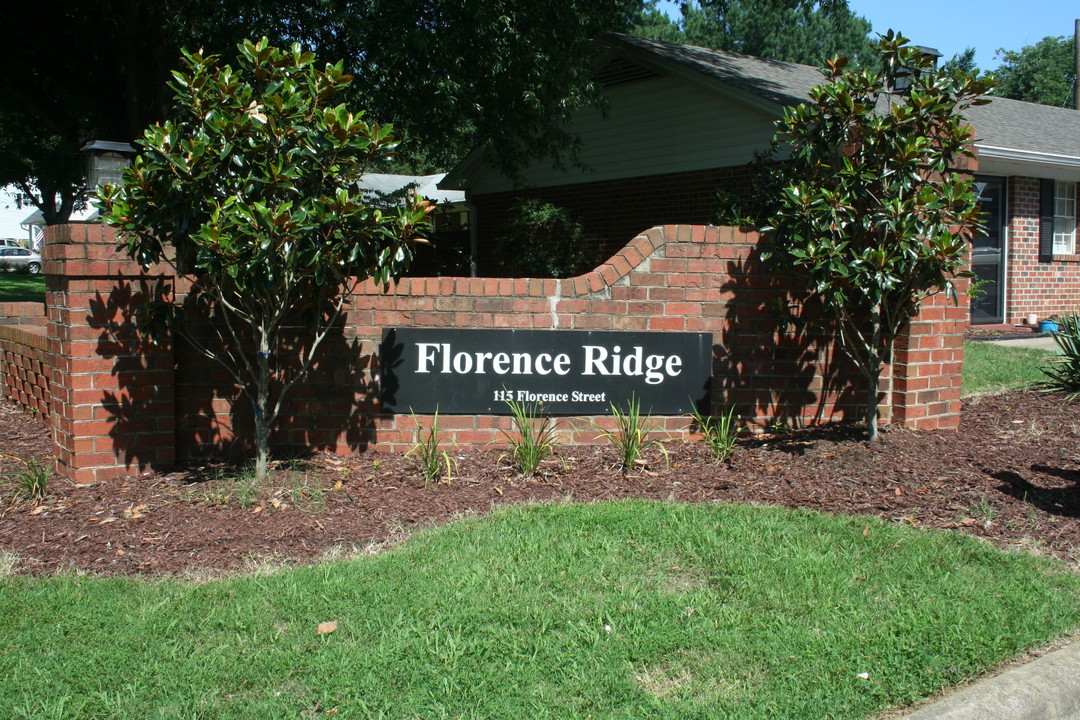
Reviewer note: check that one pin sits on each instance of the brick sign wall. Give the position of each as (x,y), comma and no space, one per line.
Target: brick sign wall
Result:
(120,403)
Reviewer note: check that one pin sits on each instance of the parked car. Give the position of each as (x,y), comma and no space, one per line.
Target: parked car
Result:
(17,258)
(10,242)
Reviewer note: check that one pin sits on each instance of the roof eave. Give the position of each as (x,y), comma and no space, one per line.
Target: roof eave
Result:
(996,160)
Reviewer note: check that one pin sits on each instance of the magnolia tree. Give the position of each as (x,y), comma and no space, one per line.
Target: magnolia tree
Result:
(870,207)
(254,188)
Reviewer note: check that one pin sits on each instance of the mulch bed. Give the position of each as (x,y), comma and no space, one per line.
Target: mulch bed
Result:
(1011,474)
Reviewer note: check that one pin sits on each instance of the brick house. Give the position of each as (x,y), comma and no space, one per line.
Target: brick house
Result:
(683,122)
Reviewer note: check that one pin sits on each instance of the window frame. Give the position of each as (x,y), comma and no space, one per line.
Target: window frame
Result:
(1064,231)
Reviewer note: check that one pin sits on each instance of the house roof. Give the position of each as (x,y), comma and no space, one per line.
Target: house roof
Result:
(426,186)
(1004,127)
(1012,137)
(86,214)
(1024,126)
(781,82)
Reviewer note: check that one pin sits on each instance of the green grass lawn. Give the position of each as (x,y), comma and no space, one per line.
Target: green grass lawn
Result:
(993,368)
(614,610)
(21,287)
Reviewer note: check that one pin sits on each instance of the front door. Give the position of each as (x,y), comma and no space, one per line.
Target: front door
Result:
(988,255)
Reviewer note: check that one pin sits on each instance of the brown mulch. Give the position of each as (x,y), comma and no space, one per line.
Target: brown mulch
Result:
(1011,474)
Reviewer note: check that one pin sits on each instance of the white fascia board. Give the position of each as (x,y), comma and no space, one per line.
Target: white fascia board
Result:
(1027,163)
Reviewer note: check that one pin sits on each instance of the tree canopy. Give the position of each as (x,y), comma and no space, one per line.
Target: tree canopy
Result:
(802,31)
(95,70)
(1042,73)
(447,72)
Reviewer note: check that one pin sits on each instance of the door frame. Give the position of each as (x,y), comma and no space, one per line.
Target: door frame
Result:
(1003,229)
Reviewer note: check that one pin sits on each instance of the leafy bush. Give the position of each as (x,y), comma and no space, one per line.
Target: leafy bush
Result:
(255,185)
(1063,372)
(869,207)
(544,241)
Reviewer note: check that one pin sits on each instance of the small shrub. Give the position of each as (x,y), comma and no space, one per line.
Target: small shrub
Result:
(534,438)
(1063,371)
(631,434)
(435,464)
(32,481)
(544,241)
(720,432)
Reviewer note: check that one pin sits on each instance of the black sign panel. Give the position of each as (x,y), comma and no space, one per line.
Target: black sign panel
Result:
(568,372)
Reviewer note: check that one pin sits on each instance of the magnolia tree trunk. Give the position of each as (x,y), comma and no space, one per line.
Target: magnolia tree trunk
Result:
(872,398)
(262,418)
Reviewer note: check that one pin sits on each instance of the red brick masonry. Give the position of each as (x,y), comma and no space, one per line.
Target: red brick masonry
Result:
(119,403)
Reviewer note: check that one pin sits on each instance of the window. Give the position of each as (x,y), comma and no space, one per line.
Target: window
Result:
(1064,218)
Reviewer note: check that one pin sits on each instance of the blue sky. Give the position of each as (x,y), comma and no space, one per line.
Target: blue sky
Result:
(947,25)
(951,26)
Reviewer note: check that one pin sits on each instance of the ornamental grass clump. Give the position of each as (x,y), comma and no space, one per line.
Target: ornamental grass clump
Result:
(1063,371)
(32,481)
(720,431)
(533,439)
(435,465)
(631,434)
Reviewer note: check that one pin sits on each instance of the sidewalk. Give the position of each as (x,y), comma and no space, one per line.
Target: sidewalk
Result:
(1040,341)
(1047,688)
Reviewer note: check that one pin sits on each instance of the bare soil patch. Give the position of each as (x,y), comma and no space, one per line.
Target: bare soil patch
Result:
(1011,474)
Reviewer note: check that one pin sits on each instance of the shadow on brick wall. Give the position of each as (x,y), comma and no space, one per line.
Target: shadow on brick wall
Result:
(776,362)
(137,395)
(169,402)
(332,405)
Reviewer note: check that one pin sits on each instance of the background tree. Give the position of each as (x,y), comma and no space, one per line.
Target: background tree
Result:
(869,207)
(449,72)
(962,62)
(802,31)
(1041,73)
(255,184)
(95,69)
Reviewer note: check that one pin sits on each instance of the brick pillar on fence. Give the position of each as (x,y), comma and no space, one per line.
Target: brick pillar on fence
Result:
(928,362)
(928,368)
(112,393)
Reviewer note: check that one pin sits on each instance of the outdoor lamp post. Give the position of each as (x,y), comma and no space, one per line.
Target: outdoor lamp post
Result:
(105,161)
(905,76)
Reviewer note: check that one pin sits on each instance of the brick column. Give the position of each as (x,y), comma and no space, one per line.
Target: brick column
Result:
(112,396)
(929,365)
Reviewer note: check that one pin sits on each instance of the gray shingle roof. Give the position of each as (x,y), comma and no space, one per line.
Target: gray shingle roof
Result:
(1017,125)
(781,82)
(1004,123)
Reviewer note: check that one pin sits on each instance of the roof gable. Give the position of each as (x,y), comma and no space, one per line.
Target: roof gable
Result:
(779,82)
